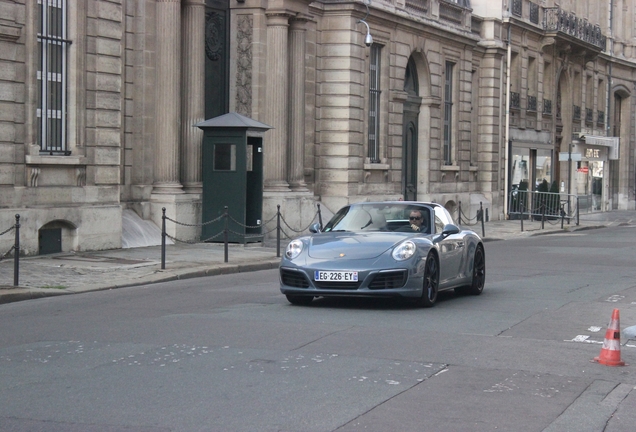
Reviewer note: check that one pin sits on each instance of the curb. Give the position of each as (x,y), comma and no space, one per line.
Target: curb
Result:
(15,294)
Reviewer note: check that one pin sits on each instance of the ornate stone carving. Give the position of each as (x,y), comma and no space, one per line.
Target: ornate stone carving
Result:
(80,175)
(244,35)
(33,173)
(213,36)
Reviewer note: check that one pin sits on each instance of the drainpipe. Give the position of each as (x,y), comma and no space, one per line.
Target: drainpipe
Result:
(609,77)
(507,131)
(608,132)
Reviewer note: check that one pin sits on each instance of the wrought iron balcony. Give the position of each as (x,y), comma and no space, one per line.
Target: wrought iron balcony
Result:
(556,19)
(589,115)
(532,103)
(576,112)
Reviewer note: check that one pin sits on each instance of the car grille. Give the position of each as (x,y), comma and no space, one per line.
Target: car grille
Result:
(338,285)
(387,280)
(294,279)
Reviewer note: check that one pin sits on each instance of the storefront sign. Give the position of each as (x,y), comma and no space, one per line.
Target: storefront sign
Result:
(565,156)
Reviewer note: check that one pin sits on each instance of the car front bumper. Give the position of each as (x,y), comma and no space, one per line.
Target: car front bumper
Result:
(394,282)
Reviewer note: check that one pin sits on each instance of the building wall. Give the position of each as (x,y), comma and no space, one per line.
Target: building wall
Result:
(119,159)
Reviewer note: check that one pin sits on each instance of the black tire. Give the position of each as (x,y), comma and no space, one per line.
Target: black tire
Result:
(479,272)
(431,282)
(299,300)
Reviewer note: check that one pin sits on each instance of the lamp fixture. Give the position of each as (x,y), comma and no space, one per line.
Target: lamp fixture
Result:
(368,39)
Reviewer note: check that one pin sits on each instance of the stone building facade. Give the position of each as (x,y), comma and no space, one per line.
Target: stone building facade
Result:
(453,101)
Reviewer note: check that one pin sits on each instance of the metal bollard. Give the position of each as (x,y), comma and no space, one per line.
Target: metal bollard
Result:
(459,217)
(16,252)
(319,216)
(163,238)
(562,215)
(225,236)
(543,217)
(278,231)
(577,211)
(481,213)
(521,217)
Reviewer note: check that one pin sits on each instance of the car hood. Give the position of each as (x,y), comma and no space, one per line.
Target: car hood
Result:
(347,245)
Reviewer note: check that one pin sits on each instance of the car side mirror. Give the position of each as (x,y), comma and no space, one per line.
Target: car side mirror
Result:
(448,230)
(314,228)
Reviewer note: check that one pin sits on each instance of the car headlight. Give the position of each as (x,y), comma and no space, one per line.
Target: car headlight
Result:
(404,251)
(294,248)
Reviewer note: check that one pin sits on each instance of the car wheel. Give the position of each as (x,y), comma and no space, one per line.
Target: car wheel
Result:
(431,282)
(479,272)
(299,300)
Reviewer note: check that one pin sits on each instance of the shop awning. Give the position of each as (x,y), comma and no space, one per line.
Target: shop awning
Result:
(611,142)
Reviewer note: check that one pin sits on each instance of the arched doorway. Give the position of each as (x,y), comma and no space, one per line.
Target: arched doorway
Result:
(410,132)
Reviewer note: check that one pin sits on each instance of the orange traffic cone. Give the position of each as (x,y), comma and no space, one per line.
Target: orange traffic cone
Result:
(611,351)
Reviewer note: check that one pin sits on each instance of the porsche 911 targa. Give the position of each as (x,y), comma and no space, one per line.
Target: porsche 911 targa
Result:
(402,249)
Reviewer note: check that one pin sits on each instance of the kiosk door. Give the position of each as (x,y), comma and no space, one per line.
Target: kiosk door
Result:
(232,177)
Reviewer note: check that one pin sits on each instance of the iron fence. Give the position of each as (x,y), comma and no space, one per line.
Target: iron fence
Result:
(281,227)
(543,206)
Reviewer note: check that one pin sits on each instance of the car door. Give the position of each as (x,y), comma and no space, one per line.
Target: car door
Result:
(450,249)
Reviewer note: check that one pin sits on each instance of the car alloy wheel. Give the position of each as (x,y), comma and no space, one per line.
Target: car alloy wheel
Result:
(479,272)
(431,281)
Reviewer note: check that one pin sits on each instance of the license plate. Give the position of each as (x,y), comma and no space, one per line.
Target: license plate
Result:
(335,276)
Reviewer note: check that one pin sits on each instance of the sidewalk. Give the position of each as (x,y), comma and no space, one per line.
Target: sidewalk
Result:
(68,273)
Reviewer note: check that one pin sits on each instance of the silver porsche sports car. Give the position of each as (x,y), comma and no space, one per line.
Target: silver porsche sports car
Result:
(384,249)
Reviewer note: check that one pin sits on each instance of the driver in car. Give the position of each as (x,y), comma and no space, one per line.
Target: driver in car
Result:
(416,222)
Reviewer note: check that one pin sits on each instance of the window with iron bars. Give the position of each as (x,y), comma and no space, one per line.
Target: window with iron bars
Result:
(51,75)
(448,113)
(374,104)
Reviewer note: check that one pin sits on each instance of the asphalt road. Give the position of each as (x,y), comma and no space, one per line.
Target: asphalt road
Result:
(228,353)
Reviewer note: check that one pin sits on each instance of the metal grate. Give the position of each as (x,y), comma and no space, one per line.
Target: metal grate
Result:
(293,278)
(51,76)
(388,280)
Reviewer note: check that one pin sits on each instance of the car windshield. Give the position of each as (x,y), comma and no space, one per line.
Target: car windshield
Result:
(370,217)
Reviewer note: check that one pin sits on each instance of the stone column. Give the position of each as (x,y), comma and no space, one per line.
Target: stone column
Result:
(167,118)
(297,106)
(192,102)
(276,102)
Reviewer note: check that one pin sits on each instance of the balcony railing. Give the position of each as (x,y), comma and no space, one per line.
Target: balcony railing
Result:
(556,19)
(576,112)
(451,11)
(532,103)
(516,7)
(418,7)
(589,115)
